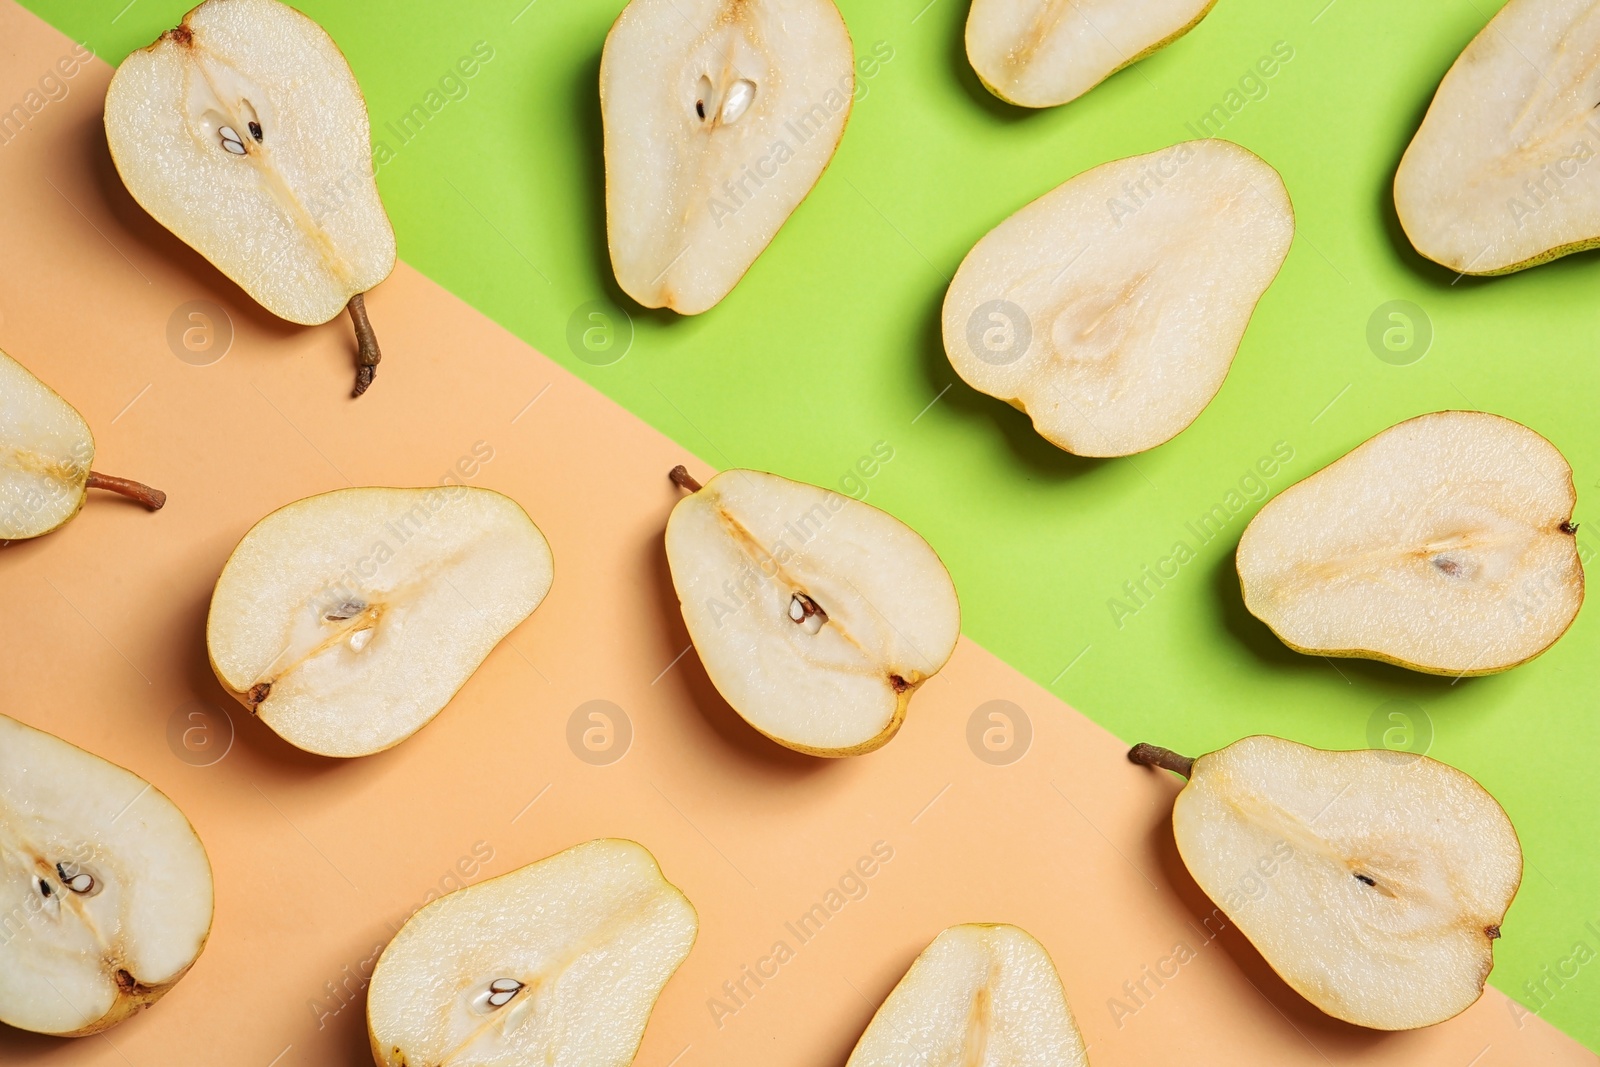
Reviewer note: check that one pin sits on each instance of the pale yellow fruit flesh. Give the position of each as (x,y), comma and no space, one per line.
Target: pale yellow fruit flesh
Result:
(45,452)
(980,995)
(720,116)
(292,214)
(1040,53)
(1110,309)
(1374,882)
(105,891)
(1443,544)
(560,962)
(347,621)
(1502,173)
(747,554)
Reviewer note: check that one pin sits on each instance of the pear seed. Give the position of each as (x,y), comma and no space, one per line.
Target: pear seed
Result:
(501,990)
(231,140)
(255,130)
(359,639)
(807,613)
(737,102)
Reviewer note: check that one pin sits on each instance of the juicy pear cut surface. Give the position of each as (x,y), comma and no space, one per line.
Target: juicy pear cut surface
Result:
(1502,175)
(347,621)
(978,995)
(1039,53)
(720,116)
(1444,544)
(105,891)
(45,452)
(243,132)
(559,962)
(816,616)
(1109,309)
(1374,882)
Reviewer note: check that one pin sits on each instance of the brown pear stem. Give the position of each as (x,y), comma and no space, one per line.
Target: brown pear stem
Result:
(367,356)
(683,479)
(150,498)
(1165,758)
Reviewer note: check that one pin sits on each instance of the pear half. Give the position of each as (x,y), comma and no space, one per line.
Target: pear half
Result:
(1444,544)
(1110,309)
(1373,882)
(816,616)
(559,962)
(720,116)
(45,452)
(347,621)
(105,891)
(979,994)
(1501,174)
(244,132)
(1040,53)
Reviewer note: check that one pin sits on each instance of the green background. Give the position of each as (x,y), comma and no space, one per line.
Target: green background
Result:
(831,344)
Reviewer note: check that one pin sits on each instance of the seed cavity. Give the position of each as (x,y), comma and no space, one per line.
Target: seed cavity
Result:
(737,102)
(806,613)
(702,91)
(231,140)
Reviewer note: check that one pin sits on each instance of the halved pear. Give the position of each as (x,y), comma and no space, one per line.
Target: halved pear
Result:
(1444,544)
(559,962)
(105,891)
(720,116)
(244,132)
(816,616)
(347,621)
(981,993)
(1501,173)
(1110,309)
(1373,882)
(1039,53)
(45,452)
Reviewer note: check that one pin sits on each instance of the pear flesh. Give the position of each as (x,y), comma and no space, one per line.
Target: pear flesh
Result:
(1040,53)
(243,131)
(1501,173)
(816,616)
(1444,544)
(347,621)
(1373,882)
(45,452)
(979,994)
(720,116)
(1110,309)
(560,962)
(105,891)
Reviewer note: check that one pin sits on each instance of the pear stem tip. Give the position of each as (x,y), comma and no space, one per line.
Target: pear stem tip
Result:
(367,353)
(1165,758)
(683,479)
(150,498)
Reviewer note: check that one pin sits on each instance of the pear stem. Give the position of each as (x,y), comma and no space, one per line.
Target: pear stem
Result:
(367,356)
(1165,758)
(150,498)
(683,479)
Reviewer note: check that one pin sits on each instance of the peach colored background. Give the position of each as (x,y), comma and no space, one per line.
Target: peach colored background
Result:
(317,860)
